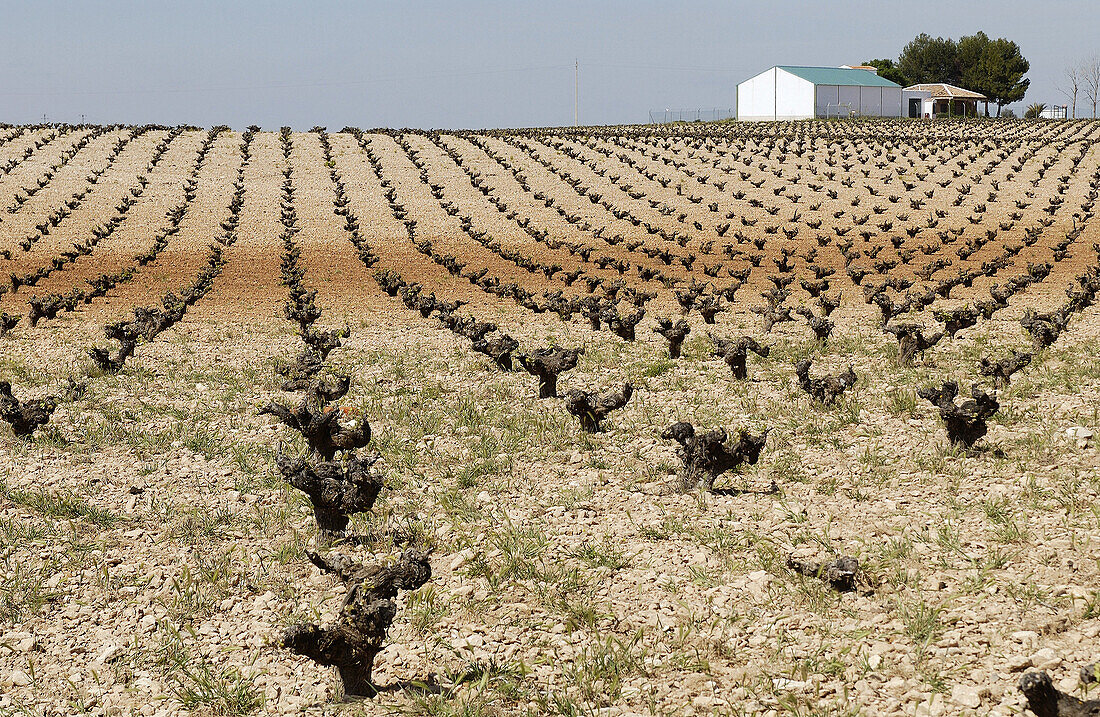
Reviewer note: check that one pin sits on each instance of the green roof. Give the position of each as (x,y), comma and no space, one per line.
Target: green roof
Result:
(838,76)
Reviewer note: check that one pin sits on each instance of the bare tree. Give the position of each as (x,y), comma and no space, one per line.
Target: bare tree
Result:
(1070,86)
(1090,80)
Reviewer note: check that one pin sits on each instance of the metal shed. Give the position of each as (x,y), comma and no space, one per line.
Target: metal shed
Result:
(787,92)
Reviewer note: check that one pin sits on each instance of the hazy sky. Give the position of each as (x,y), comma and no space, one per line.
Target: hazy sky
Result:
(471,63)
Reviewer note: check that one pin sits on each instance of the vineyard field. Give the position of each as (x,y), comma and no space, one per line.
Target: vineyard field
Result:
(780,418)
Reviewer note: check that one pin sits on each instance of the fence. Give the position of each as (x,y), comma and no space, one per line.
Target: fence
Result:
(842,110)
(699,115)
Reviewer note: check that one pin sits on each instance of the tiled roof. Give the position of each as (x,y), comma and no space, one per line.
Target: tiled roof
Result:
(944,91)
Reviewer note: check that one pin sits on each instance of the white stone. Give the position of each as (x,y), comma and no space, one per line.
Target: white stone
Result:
(108,653)
(1045,659)
(703,702)
(966,696)
(1079,432)
(1028,637)
(19,641)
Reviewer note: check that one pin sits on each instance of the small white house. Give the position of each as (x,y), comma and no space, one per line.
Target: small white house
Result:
(939,98)
(793,93)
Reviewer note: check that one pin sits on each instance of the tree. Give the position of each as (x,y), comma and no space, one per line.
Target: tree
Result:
(1090,79)
(993,67)
(1004,67)
(970,55)
(1070,86)
(928,59)
(889,71)
(972,51)
(1035,110)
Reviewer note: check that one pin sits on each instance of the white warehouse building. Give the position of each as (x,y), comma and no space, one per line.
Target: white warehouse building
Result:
(793,93)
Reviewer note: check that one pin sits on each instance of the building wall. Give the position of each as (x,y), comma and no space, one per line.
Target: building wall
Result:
(827,97)
(892,106)
(863,101)
(795,97)
(921,95)
(849,96)
(870,102)
(756,97)
(775,95)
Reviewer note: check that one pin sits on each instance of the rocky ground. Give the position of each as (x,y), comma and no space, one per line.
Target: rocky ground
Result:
(152,554)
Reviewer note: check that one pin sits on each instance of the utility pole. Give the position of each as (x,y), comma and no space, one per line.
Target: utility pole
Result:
(576,89)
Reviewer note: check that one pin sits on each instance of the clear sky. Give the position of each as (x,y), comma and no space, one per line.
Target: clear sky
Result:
(468,64)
